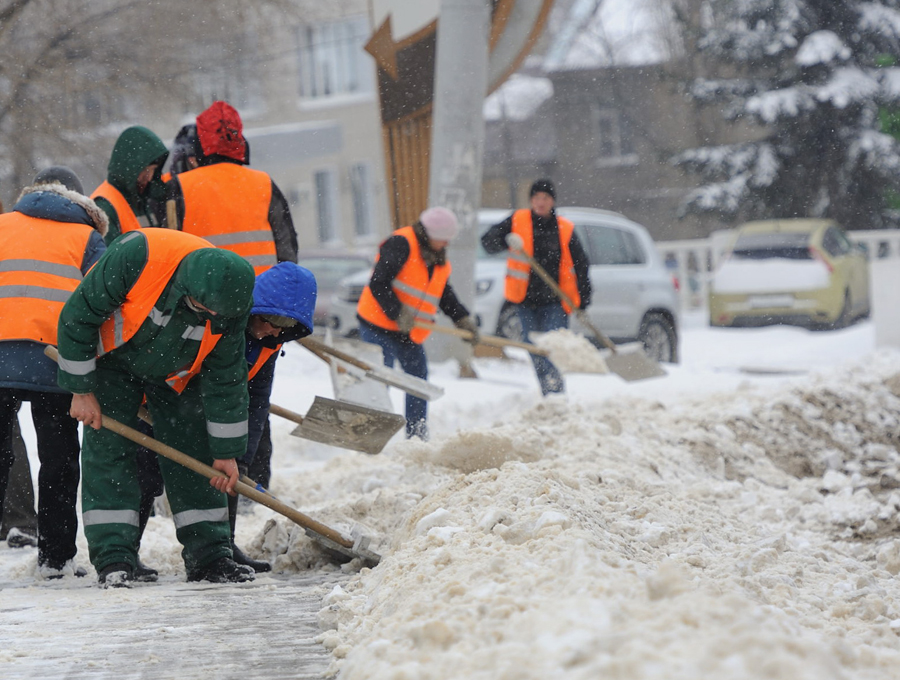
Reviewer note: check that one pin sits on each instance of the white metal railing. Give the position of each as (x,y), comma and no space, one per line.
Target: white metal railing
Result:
(692,261)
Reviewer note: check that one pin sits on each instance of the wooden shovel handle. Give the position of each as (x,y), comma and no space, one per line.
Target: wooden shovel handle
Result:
(318,347)
(492,340)
(560,293)
(241,487)
(209,472)
(285,413)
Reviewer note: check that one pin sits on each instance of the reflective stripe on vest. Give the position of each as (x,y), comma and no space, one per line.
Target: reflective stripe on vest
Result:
(228,205)
(264,355)
(518,269)
(40,266)
(128,221)
(413,288)
(165,251)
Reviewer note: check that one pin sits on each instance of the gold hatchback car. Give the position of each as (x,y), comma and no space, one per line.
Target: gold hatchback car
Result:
(791,271)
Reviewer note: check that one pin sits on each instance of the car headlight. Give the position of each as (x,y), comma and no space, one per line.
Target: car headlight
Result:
(483,286)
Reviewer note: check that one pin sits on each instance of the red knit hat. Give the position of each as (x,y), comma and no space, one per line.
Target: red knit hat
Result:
(221,132)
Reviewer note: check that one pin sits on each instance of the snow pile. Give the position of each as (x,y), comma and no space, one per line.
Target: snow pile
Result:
(748,535)
(571,352)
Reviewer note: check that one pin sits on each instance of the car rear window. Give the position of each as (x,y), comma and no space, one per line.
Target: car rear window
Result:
(609,246)
(786,245)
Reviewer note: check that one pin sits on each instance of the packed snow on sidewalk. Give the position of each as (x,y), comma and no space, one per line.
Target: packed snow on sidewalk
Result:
(734,519)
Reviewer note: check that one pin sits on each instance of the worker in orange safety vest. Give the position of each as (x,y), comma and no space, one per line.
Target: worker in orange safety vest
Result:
(409,283)
(552,242)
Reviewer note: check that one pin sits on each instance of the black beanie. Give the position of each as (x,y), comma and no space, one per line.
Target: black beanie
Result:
(61,174)
(545,186)
(186,144)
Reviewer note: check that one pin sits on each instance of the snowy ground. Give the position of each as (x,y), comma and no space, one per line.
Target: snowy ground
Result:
(735,519)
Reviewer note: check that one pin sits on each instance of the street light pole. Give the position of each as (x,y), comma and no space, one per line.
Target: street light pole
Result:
(457,146)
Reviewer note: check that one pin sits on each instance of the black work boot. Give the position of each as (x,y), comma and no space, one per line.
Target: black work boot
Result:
(238,555)
(222,570)
(256,565)
(117,575)
(145,574)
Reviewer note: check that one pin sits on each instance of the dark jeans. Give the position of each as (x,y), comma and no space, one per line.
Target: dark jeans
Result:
(543,320)
(398,347)
(58,449)
(150,479)
(261,465)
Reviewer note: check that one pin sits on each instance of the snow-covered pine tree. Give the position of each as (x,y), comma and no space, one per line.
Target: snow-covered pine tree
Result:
(815,78)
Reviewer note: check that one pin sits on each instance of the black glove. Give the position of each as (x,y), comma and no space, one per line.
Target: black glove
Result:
(406,319)
(467,323)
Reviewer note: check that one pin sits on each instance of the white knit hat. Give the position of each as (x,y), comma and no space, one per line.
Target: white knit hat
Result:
(440,224)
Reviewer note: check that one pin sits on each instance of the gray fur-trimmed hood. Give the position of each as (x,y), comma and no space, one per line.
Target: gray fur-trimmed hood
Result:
(57,208)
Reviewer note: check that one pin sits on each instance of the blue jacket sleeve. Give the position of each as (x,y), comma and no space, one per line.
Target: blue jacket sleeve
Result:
(95,247)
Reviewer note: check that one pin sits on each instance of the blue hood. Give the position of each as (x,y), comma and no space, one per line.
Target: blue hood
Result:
(287,289)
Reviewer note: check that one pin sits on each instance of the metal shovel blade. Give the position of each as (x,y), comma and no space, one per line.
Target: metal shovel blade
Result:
(633,365)
(349,426)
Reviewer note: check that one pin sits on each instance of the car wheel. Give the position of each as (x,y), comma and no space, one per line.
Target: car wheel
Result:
(659,337)
(508,325)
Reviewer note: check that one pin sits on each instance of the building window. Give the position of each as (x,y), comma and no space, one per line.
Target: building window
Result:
(331,58)
(226,71)
(361,186)
(326,205)
(612,134)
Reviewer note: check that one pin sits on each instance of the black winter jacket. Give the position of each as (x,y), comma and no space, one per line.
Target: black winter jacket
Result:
(546,253)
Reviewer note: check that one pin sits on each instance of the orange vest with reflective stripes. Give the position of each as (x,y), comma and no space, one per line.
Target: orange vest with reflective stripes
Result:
(413,288)
(40,266)
(128,221)
(228,205)
(518,269)
(165,251)
(264,355)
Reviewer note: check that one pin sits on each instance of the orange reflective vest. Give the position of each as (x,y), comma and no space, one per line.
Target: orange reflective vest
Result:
(518,270)
(165,251)
(128,221)
(264,355)
(228,205)
(413,288)
(40,266)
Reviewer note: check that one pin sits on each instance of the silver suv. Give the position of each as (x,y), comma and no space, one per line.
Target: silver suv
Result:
(634,294)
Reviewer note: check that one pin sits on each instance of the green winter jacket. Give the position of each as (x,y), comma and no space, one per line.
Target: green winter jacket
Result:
(135,149)
(169,339)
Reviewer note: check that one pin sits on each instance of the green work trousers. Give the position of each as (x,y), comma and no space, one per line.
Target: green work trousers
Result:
(110,491)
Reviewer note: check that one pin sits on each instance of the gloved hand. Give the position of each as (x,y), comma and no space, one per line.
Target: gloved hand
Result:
(514,241)
(406,319)
(467,323)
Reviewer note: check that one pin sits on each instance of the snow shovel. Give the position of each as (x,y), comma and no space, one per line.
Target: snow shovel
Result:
(330,538)
(390,376)
(353,384)
(631,365)
(342,424)
(490,340)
